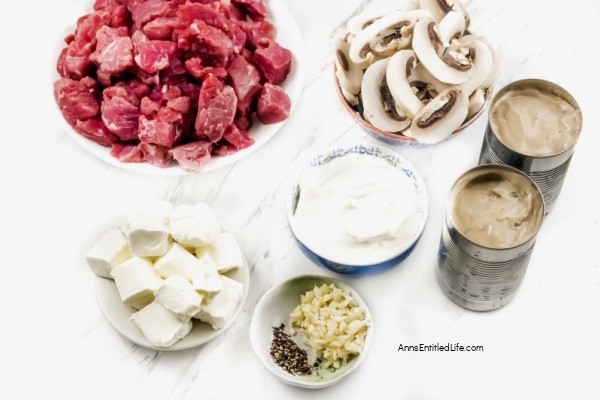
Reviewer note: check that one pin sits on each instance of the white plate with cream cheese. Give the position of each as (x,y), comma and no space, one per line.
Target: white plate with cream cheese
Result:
(119,315)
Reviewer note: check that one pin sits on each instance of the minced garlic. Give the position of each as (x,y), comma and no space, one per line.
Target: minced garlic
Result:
(332,324)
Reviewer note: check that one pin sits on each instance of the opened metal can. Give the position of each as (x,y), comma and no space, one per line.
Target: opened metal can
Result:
(547,170)
(493,217)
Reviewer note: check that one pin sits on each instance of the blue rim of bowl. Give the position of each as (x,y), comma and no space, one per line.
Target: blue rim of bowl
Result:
(394,159)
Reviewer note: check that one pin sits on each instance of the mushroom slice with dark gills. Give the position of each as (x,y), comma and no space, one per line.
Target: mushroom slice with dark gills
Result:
(452,26)
(367,17)
(482,65)
(440,8)
(398,72)
(440,117)
(392,27)
(348,73)
(379,107)
(449,67)
(468,40)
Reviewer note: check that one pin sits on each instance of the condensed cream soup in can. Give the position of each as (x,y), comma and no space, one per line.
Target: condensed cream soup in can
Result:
(493,217)
(533,126)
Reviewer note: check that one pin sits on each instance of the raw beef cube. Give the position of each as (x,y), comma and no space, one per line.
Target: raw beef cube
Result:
(149,107)
(152,55)
(116,12)
(190,12)
(149,10)
(192,156)
(239,139)
(209,89)
(180,104)
(121,117)
(207,42)
(163,130)
(60,65)
(76,99)
(171,92)
(213,119)
(128,153)
(223,149)
(95,130)
(87,27)
(255,31)
(257,9)
(123,90)
(156,132)
(77,62)
(155,155)
(195,68)
(114,50)
(273,105)
(162,28)
(138,88)
(273,61)
(245,80)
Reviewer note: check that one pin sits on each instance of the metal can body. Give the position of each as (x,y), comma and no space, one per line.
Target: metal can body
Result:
(477,277)
(548,172)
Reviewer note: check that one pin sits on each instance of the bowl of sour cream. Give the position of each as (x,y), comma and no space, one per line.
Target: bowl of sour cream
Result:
(358,210)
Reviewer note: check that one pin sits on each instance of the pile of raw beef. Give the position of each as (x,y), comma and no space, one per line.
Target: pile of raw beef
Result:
(157,80)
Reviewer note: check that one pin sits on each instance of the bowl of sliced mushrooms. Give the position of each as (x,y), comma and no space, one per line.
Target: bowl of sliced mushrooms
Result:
(414,75)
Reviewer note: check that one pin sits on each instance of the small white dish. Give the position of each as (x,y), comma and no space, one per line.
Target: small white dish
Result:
(287,33)
(119,314)
(274,308)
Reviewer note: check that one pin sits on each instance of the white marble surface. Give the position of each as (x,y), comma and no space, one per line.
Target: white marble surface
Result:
(57,344)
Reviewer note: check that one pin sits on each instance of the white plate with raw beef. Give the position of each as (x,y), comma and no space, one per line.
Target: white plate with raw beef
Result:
(157,145)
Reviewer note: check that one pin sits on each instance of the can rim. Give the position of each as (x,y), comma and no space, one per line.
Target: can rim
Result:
(567,97)
(491,167)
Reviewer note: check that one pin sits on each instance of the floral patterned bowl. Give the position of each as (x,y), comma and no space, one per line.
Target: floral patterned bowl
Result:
(377,265)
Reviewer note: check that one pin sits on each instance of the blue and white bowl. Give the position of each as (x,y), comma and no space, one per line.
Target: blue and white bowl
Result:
(375,265)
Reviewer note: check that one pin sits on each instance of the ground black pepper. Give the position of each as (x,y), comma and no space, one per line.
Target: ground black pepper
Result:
(286,353)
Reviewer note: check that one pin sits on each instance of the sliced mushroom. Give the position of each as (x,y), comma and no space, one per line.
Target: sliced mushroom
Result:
(359,22)
(476,102)
(482,66)
(363,20)
(398,72)
(379,107)
(348,73)
(395,25)
(352,99)
(447,67)
(420,75)
(497,58)
(441,117)
(452,26)
(439,9)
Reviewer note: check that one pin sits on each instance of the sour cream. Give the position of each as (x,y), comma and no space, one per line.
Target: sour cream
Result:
(356,210)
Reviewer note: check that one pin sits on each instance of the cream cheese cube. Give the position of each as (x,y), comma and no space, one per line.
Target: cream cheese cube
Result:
(225,252)
(219,310)
(207,279)
(177,261)
(136,282)
(162,327)
(193,226)
(148,235)
(177,295)
(110,251)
